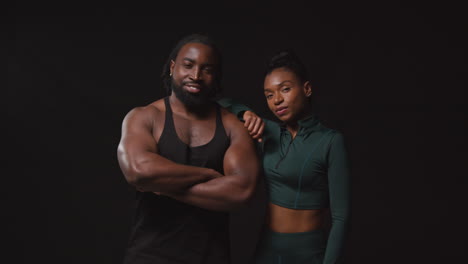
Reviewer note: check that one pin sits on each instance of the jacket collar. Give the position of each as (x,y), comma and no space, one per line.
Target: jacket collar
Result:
(307,124)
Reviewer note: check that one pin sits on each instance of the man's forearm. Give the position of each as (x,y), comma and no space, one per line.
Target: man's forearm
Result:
(157,174)
(221,194)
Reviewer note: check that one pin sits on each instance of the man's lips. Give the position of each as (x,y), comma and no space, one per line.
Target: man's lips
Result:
(192,87)
(281,110)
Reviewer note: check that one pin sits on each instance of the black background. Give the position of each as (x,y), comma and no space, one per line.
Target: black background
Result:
(390,75)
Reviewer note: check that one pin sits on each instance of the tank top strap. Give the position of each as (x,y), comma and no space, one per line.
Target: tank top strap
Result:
(169,122)
(219,122)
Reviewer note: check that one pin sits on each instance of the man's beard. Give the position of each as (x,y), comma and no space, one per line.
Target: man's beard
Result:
(196,101)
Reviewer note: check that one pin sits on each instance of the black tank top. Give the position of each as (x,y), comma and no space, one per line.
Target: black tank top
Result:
(168,231)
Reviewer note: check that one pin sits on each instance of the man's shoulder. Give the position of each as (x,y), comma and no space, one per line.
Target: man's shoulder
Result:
(151,111)
(232,124)
(229,118)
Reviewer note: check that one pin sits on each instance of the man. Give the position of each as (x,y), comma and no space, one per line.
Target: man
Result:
(191,160)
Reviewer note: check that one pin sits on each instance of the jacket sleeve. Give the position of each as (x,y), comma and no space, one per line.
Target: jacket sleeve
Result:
(339,189)
(234,107)
(238,109)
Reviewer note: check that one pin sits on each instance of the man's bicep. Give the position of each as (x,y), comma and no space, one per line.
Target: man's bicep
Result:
(136,134)
(241,157)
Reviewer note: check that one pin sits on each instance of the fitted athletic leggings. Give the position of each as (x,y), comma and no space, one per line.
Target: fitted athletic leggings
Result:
(291,248)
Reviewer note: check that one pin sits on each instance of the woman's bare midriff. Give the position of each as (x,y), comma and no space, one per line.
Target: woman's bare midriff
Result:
(284,220)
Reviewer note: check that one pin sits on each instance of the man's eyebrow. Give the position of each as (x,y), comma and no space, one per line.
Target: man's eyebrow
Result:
(193,61)
(189,59)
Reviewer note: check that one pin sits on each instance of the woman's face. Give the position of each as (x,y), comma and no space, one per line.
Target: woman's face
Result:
(286,95)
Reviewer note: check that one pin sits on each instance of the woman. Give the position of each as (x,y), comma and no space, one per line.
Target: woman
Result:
(306,170)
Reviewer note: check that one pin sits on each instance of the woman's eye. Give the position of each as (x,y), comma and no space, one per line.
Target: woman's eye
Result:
(268,96)
(208,70)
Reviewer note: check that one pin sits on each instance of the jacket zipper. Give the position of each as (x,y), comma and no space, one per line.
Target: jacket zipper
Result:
(286,153)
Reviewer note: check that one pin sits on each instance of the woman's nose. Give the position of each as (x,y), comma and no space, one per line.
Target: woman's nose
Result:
(278,99)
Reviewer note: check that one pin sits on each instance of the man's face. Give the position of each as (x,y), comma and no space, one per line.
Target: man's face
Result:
(194,73)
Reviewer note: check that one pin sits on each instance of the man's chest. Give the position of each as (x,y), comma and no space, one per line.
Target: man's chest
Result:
(194,132)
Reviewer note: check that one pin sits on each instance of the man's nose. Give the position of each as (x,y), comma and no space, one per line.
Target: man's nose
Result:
(196,74)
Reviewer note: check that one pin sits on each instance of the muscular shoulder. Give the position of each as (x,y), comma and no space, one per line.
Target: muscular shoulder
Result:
(232,125)
(146,114)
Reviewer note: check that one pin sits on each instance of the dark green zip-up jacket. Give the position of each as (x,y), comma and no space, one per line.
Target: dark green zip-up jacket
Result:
(308,172)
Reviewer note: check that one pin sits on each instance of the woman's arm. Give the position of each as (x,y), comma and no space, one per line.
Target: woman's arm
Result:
(339,185)
(234,107)
(254,124)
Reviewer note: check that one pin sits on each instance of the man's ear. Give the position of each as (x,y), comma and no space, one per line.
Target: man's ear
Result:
(171,67)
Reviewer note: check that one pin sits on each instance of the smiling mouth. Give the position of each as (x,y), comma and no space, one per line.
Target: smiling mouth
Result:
(281,111)
(192,88)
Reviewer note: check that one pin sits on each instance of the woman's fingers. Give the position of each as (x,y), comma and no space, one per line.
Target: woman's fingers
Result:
(254,125)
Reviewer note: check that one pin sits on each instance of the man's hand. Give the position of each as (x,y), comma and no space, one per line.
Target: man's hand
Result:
(254,125)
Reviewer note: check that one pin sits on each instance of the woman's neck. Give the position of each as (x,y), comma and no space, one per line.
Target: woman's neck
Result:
(293,126)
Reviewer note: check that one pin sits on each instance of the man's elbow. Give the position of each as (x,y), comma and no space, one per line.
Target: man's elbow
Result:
(138,172)
(246,191)
(242,198)
(139,176)
(130,169)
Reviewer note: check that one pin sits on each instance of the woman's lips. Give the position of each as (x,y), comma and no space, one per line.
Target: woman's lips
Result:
(281,111)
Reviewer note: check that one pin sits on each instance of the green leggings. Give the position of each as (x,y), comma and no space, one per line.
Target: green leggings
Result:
(291,248)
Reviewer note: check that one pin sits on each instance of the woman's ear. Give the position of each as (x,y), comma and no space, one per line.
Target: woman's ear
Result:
(307,89)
